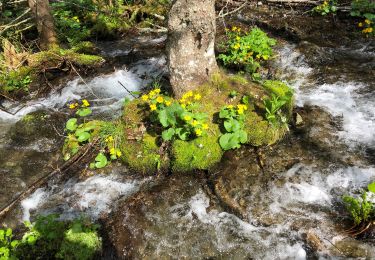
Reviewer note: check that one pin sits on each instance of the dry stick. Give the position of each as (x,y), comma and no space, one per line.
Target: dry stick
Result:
(126,89)
(221,15)
(40,182)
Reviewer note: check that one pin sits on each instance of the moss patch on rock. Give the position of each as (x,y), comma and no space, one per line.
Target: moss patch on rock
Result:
(143,155)
(199,154)
(144,152)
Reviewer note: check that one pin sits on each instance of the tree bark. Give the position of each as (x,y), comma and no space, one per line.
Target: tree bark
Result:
(190,46)
(44,22)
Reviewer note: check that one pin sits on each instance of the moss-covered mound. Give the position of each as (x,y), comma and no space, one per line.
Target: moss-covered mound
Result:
(47,63)
(143,148)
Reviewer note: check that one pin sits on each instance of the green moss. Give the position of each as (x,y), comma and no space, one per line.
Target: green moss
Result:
(79,243)
(54,57)
(200,153)
(143,156)
(277,87)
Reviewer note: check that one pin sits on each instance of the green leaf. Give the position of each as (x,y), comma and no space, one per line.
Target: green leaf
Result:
(8,232)
(168,134)
(101,161)
(84,136)
(163,118)
(245,100)
(229,141)
(371,187)
(84,111)
(182,133)
(224,113)
(71,124)
(242,136)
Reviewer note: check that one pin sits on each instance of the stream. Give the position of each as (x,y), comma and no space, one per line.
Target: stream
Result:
(294,205)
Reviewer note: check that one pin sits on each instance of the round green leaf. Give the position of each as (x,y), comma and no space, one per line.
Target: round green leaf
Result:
(101,161)
(71,124)
(84,136)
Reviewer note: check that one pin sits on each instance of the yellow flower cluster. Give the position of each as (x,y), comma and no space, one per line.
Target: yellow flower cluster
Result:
(368,26)
(115,151)
(198,126)
(368,30)
(240,108)
(73,105)
(236,29)
(189,97)
(85,103)
(155,99)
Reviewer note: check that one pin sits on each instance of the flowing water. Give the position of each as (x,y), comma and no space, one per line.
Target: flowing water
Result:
(296,205)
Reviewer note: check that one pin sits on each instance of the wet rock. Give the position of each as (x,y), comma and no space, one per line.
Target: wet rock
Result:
(160,223)
(350,247)
(36,126)
(313,240)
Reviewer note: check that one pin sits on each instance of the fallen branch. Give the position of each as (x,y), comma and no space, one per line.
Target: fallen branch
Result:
(85,151)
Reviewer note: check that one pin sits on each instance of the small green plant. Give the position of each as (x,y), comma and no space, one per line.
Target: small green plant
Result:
(7,244)
(327,7)
(14,81)
(273,107)
(49,238)
(247,50)
(81,132)
(362,209)
(234,119)
(179,119)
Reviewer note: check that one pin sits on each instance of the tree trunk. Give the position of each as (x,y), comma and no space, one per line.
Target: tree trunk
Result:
(44,21)
(190,47)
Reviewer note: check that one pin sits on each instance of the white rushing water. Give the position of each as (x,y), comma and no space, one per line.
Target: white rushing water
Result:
(343,100)
(104,92)
(91,197)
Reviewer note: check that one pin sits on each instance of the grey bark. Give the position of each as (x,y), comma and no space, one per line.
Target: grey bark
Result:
(190,46)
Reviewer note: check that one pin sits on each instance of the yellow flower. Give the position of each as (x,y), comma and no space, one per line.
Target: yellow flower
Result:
(189,93)
(160,99)
(109,139)
(168,103)
(198,132)
(205,126)
(194,123)
(153,107)
(85,103)
(157,90)
(118,153)
(234,28)
(187,118)
(237,46)
(240,111)
(152,93)
(370,30)
(367,21)
(112,151)
(238,38)
(72,106)
(258,56)
(230,106)
(145,97)
(197,97)
(360,24)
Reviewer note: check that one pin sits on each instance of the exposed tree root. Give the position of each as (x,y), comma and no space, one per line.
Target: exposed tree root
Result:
(358,230)
(86,152)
